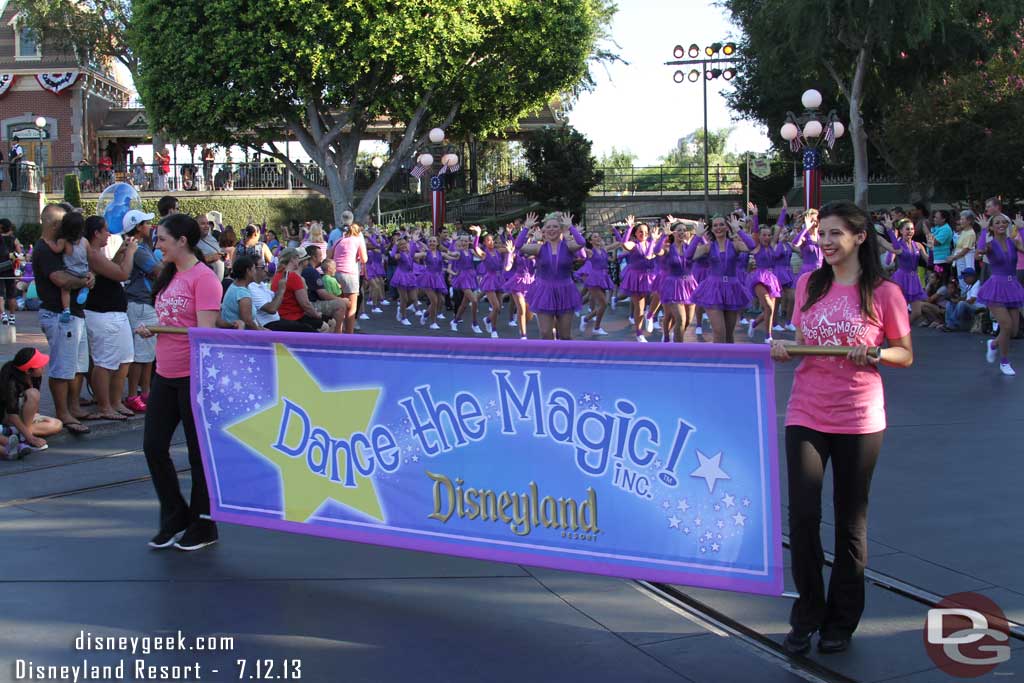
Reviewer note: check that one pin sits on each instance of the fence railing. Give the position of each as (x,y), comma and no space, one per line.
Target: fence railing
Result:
(216,177)
(660,180)
(466,209)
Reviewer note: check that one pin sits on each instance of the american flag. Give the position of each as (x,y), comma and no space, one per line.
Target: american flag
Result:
(830,134)
(418,170)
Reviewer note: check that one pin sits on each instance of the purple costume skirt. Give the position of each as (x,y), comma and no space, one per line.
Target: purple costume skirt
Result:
(1002,290)
(492,282)
(910,283)
(434,281)
(553,298)
(677,289)
(600,279)
(518,283)
(465,280)
(637,282)
(721,293)
(404,279)
(767,279)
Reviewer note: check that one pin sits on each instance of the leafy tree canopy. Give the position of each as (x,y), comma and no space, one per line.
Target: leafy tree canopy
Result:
(562,169)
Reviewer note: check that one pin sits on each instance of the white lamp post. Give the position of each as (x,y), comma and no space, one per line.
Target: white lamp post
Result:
(377,162)
(808,131)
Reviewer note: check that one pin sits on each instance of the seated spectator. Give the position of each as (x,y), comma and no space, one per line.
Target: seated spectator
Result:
(236,310)
(272,242)
(295,305)
(960,310)
(326,304)
(20,380)
(329,268)
(266,302)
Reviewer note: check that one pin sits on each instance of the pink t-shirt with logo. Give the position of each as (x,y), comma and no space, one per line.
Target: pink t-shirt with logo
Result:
(178,305)
(831,394)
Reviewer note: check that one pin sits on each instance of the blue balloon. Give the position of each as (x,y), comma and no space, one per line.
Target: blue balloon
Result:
(115,202)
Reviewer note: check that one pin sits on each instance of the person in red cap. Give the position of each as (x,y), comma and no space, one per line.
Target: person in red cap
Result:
(20,379)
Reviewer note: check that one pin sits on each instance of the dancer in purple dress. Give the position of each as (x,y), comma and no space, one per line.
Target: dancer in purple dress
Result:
(553,296)
(492,263)
(677,285)
(721,293)
(638,280)
(909,255)
(465,280)
(784,272)
(598,281)
(432,280)
(519,278)
(807,242)
(763,283)
(404,279)
(1002,293)
(375,271)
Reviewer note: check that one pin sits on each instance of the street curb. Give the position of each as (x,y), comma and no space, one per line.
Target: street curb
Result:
(99,428)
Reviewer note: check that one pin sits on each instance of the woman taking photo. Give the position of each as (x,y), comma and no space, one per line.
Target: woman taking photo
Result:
(111,342)
(836,412)
(185,296)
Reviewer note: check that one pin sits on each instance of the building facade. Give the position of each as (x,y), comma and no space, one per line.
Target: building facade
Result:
(38,79)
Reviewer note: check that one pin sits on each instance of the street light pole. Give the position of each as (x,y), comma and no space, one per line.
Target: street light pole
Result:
(377,162)
(707,182)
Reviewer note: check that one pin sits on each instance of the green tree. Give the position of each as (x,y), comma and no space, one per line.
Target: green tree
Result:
(617,167)
(863,50)
(93,30)
(563,170)
(323,70)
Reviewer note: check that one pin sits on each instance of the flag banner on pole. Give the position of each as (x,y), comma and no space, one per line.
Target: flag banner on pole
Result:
(418,170)
(760,167)
(657,463)
(437,204)
(812,178)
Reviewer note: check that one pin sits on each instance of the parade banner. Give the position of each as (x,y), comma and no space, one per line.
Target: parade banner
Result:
(653,462)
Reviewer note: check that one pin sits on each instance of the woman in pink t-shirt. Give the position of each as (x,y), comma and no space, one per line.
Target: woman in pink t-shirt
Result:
(187,294)
(350,257)
(837,412)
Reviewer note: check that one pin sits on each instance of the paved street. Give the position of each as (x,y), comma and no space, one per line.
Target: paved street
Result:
(945,518)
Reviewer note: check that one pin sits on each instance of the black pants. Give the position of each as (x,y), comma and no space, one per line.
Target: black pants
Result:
(169,404)
(289,326)
(853,459)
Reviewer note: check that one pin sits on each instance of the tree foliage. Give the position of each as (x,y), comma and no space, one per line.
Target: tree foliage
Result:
(863,51)
(563,170)
(93,30)
(324,70)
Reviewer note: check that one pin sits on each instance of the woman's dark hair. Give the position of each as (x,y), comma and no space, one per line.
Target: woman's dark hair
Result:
(72,227)
(6,226)
(10,374)
(228,238)
(93,225)
(178,225)
(241,266)
(857,221)
(945,215)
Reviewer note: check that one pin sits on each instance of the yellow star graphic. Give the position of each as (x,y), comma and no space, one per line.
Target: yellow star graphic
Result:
(339,413)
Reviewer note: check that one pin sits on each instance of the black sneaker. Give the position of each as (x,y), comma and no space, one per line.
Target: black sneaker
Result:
(833,644)
(165,539)
(198,535)
(798,642)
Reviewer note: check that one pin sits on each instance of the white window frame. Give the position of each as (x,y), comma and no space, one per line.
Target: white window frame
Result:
(16,25)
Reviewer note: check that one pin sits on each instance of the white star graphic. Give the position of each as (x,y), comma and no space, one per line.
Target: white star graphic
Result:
(720,524)
(746,502)
(739,519)
(697,521)
(709,470)
(212,372)
(665,504)
(703,549)
(215,408)
(220,355)
(673,522)
(252,397)
(714,547)
(415,458)
(728,501)
(717,507)
(204,350)
(238,386)
(683,505)
(686,530)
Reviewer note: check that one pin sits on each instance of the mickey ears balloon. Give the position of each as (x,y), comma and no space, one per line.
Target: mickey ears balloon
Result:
(115,202)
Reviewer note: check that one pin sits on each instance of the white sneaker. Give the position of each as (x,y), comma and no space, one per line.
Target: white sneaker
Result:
(487,325)
(791,327)
(376,309)
(512,323)
(743,321)
(632,321)
(398,314)
(990,351)
(778,328)
(523,338)
(494,334)
(434,326)
(750,329)
(615,302)
(363,316)
(455,326)
(704,318)
(768,340)
(385,302)
(599,332)
(1006,369)
(441,316)
(995,327)
(699,331)
(583,324)
(477,330)
(649,324)
(641,338)
(405,321)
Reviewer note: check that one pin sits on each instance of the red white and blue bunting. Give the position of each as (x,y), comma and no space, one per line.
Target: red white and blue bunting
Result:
(6,81)
(56,83)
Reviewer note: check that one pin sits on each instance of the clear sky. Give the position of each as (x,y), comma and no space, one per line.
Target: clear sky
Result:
(638,106)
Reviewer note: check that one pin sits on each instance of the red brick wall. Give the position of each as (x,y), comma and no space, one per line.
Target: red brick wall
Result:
(42,103)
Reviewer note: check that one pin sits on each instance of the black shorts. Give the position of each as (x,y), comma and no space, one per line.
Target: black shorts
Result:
(8,285)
